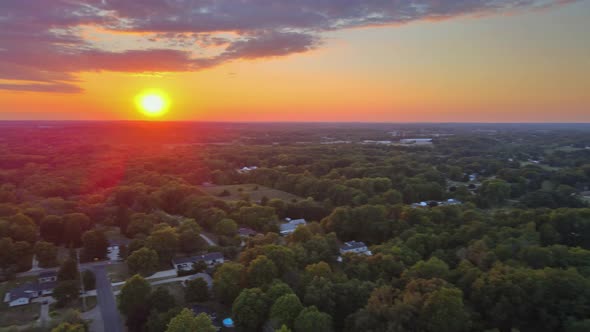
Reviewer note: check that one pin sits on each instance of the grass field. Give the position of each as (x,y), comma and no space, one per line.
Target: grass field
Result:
(255,192)
(118,272)
(176,289)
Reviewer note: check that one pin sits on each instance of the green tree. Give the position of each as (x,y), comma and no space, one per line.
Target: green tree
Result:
(197,290)
(68,327)
(66,292)
(444,311)
(186,321)
(46,253)
(228,281)
(161,300)
(158,321)
(165,242)
(226,227)
(261,271)
(250,309)
(432,268)
(310,319)
(286,309)
(494,192)
(89,280)
(68,270)
(94,245)
(143,261)
(134,293)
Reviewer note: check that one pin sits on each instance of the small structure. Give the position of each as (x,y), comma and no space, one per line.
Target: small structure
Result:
(46,283)
(186,263)
(355,247)
(228,322)
(291,225)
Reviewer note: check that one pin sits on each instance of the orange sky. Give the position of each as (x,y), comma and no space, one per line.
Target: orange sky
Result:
(527,67)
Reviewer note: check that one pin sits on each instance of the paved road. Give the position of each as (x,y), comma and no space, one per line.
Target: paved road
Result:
(106,301)
(208,240)
(80,267)
(44,315)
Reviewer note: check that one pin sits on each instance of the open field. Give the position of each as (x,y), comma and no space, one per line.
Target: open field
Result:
(255,192)
(118,272)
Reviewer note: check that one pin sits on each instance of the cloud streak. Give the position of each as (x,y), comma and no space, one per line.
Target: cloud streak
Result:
(42,47)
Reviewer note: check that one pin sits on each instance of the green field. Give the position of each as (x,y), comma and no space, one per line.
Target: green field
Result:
(253,191)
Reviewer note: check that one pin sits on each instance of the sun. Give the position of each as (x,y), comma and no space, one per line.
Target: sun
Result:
(152,104)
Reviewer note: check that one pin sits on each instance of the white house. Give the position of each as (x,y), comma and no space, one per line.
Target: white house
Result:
(416,141)
(186,263)
(355,247)
(46,277)
(21,295)
(290,226)
(247,169)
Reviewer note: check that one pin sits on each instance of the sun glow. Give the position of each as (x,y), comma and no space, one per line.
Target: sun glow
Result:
(153,103)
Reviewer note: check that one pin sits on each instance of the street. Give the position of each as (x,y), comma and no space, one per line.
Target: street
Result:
(106,301)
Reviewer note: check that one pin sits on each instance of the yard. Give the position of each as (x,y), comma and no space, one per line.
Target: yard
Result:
(253,191)
(118,272)
(17,315)
(176,289)
(55,312)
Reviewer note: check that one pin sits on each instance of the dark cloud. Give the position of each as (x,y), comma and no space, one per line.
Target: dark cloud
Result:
(41,45)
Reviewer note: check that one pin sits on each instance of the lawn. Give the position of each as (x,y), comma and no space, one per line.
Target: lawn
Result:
(55,312)
(176,289)
(255,192)
(118,272)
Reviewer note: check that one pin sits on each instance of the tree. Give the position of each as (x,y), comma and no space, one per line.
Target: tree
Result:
(286,309)
(250,309)
(133,302)
(95,245)
(165,242)
(68,327)
(226,227)
(161,300)
(432,268)
(261,271)
(228,281)
(66,292)
(444,311)
(68,270)
(143,261)
(158,321)
(51,229)
(197,290)
(46,254)
(186,321)
(494,191)
(88,280)
(310,319)
(73,226)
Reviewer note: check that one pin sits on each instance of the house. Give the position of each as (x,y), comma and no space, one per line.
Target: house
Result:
(355,247)
(246,232)
(114,249)
(186,263)
(47,277)
(290,226)
(21,295)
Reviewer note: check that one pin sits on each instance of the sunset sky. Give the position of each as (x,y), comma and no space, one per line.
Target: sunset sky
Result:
(297,60)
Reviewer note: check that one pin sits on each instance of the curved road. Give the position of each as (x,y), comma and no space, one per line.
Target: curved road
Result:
(106,301)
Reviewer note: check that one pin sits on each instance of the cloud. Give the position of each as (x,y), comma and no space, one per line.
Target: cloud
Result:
(43,46)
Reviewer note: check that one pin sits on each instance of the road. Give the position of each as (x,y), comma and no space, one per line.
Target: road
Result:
(80,267)
(208,240)
(106,301)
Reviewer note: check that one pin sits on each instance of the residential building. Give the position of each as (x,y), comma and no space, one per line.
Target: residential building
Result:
(355,247)
(291,225)
(186,263)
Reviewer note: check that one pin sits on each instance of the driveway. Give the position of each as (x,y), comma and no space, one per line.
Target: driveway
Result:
(106,301)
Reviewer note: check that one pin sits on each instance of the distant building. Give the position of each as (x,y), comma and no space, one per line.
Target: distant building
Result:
(114,249)
(186,263)
(246,232)
(291,225)
(247,169)
(450,201)
(416,141)
(355,247)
